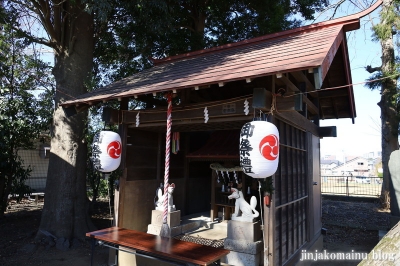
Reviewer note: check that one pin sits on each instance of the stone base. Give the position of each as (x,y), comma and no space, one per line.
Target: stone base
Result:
(243,246)
(173,218)
(173,223)
(242,259)
(244,219)
(156,229)
(249,231)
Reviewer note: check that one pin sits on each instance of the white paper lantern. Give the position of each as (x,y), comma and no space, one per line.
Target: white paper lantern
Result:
(106,151)
(259,149)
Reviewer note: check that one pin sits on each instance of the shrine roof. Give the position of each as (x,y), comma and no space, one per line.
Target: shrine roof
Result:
(311,47)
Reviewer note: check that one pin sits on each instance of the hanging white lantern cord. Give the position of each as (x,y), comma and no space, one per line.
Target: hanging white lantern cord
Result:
(273,105)
(165,228)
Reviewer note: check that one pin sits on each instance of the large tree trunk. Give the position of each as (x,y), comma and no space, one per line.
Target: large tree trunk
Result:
(389,116)
(65,212)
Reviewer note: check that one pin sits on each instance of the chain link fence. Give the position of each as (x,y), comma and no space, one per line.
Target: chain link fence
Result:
(351,185)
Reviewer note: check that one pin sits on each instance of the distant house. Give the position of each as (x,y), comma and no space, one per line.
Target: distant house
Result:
(328,165)
(356,167)
(38,160)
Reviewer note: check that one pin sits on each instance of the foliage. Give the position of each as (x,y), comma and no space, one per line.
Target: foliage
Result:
(137,31)
(267,185)
(21,115)
(390,23)
(18,187)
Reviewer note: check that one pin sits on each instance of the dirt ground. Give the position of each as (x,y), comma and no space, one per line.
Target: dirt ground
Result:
(18,230)
(349,226)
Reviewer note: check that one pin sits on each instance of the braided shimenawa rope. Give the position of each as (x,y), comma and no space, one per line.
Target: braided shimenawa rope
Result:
(166,174)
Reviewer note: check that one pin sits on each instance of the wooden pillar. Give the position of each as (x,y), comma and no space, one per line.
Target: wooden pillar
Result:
(317,116)
(159,158)
(303,88)
(123,132)
(269,222)
(185,173)
(118,204)
(213,208)
(269,225)
(310,222)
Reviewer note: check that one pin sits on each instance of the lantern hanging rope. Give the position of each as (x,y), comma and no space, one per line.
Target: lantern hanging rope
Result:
(165,228)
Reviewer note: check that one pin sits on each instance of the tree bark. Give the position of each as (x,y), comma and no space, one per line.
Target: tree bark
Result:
(65,211)
(389,116)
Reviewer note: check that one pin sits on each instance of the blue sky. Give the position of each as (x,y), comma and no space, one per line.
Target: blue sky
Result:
(364,135)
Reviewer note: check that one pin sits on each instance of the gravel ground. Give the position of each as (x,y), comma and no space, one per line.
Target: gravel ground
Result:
(350,225)
(360,215)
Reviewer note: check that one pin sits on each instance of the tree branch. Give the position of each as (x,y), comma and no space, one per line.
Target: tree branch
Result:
(373,69)
(57,20)
(336,6)
(36,39)
(44,11)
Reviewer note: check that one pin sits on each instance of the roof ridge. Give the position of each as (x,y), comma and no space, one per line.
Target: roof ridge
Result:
(354,18)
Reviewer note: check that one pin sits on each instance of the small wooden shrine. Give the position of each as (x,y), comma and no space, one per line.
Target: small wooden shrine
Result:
(295,78)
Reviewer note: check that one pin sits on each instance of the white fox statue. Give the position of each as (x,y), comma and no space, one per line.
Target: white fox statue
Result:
(160,196)
(243,210)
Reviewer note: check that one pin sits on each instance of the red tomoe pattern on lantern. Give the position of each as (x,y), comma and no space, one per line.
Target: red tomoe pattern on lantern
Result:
(114,149)
(259,149)
(269,147)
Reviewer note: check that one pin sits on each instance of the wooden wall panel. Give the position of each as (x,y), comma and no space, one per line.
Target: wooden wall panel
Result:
(142,155)
(290,193)
(146,152)
(139,202)
(198,197)
(138,198)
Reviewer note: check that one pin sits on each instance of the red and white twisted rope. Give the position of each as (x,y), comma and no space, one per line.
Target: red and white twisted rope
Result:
(167,154)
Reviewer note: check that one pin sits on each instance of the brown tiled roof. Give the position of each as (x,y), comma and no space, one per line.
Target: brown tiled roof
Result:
(302,48)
